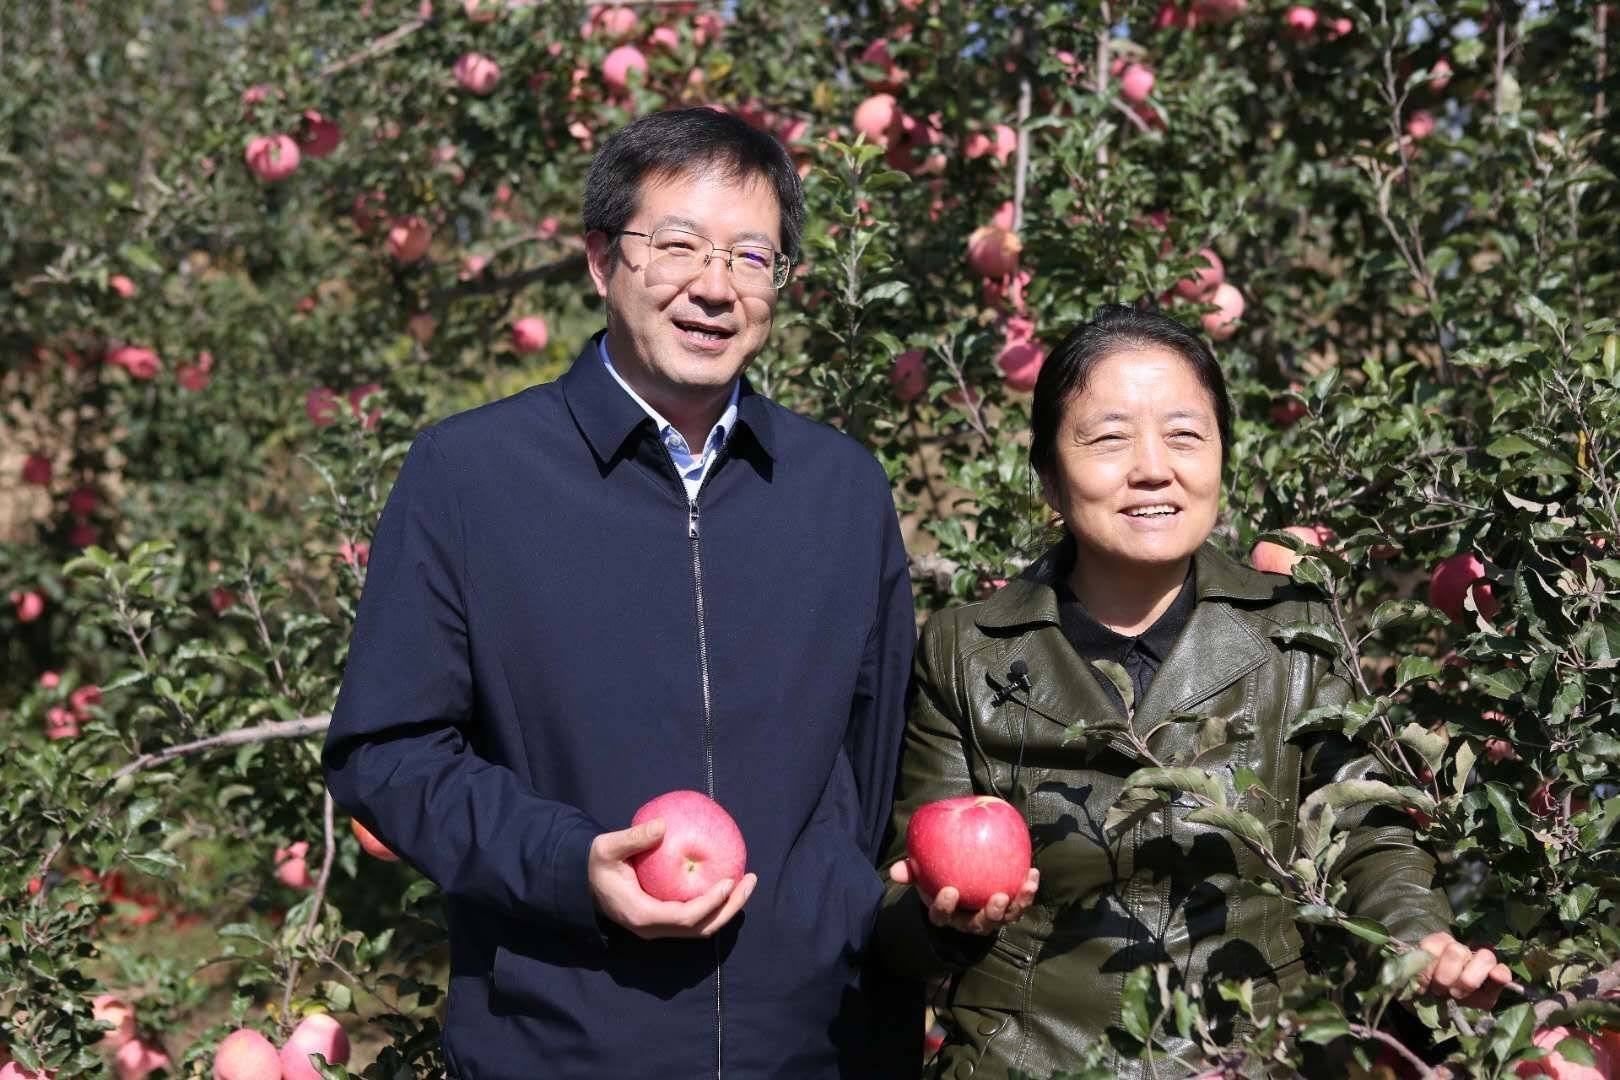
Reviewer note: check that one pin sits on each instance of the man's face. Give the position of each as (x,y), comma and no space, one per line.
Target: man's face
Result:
(681,343)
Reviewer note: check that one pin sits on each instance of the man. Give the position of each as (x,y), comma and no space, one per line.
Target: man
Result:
(640,578)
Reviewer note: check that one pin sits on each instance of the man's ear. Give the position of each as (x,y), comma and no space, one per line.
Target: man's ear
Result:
(599,255)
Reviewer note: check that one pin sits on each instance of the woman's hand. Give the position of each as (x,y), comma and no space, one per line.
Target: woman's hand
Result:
(1472,977)
(1001,910)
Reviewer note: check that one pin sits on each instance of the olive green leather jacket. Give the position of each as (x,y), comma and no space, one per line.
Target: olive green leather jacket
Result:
(1166,889)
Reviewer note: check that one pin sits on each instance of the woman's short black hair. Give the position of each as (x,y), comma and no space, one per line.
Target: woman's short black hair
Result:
(694,140)
(1115,328)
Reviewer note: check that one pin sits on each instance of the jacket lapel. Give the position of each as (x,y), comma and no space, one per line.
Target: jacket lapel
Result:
(1217,647)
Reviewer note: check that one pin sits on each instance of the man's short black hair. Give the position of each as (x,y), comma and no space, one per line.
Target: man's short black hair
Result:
(695,140)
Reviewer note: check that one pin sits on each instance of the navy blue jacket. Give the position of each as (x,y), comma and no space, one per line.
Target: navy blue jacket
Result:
(550,635)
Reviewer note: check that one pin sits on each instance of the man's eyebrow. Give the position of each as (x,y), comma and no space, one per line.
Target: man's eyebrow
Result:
(687,223)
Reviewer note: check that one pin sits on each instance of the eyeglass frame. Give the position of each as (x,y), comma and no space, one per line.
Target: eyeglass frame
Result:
(780,257)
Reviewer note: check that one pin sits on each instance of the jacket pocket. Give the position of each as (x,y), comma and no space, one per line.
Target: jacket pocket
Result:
(999,981)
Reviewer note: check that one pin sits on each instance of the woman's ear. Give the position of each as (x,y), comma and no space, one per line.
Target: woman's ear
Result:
(1049,492)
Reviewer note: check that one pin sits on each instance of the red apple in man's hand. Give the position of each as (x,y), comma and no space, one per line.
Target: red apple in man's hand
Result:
(701,847)
(977,844)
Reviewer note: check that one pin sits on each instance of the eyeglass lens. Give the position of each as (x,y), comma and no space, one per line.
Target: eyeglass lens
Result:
(678,255)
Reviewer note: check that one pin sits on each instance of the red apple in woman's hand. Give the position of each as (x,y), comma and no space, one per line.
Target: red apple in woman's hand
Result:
(977,844)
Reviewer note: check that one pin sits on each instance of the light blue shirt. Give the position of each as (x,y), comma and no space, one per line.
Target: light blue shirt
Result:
(690,466)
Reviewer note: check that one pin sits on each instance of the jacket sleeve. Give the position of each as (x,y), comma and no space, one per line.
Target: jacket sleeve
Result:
(878,709)
(400,753)
(1390,876)
(933,765)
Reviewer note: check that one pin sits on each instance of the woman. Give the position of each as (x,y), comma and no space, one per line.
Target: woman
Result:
(1131,427)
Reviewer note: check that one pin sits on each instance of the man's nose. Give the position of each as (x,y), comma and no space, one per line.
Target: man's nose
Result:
(713,282)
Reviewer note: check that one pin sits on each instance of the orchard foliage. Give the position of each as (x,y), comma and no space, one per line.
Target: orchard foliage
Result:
(250,249)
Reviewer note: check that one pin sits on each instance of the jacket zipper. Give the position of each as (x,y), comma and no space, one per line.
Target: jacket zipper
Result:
(692,534)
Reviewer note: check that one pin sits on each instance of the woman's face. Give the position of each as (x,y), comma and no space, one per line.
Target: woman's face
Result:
(1138,475)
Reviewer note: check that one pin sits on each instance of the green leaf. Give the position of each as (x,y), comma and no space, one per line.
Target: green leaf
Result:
(1313,635)
(1510,446)
(1239,822)
(1135,1015)
(1196,781)
(888,290)
(1116,674)
(1398,972)
(1348,793)
(1502,803)
(1500,683)
(1324,1031)
(1511,1032)
(156,863)
(1412,668)
(1401,612)
(1576,1050)
(1540,310)
(1366,929)
(1316,823)
(1430,745)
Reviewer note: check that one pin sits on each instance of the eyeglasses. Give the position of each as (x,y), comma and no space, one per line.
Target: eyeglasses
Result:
(676,256)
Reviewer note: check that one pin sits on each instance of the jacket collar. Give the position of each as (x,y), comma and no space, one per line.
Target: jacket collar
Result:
(1031,598)
(1217,647)
(607,416)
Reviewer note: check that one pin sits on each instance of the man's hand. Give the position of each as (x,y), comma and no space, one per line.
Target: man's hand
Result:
(619,895)
(1001,910)
(1472,977)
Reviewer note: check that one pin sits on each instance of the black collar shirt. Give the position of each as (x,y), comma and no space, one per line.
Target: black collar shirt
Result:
(1140,656)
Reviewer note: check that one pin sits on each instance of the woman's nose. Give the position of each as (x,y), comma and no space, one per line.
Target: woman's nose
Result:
(1151,465)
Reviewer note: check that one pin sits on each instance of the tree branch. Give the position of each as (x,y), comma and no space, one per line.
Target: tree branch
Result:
(276,729)
(387,43)
(567,266)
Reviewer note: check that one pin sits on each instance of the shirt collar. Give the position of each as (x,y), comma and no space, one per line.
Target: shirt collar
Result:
(717,434)
(607,416)
(1091,637)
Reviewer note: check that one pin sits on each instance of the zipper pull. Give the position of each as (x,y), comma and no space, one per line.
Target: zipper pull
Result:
(691,519)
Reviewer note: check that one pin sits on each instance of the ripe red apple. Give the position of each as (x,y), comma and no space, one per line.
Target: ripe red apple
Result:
(357,396)
(618,64)
(36,470)
(292,868)
(1453,578)
(1557,1065)
(30,605)
(701,846)
(85,698)
(1002,141)
(1440,75)
(909,377)
(1420,124)
(1277,559)
(481,11)
(1218,12)
(1204,280)
(1021,357)
(529,334)
(993,251)
(1222,323)
(615,22)
(141,363)
(1499,750)
(874,117)
(477,73)
(1136,83)
(355,554)
(1300,22)
(370,844)
(50,680)
(317,1033)
(108,1008)
(221,600)
(122,285)
(977,844)
(318,136)
(877,54)
(244,1054)
(138,1058)
(13,1071)
(408,238)
(61,723)
(272,158)
(196,377)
